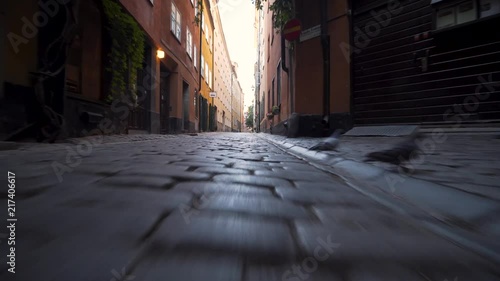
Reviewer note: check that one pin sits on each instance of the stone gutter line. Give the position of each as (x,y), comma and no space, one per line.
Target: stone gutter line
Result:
(369,180)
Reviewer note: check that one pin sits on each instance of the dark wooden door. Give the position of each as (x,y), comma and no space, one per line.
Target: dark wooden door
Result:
(139,115)
(164,102)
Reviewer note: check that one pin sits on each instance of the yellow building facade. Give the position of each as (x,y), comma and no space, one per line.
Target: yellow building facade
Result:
(206,110)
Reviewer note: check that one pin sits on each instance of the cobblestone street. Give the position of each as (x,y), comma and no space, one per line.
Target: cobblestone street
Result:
(221,206)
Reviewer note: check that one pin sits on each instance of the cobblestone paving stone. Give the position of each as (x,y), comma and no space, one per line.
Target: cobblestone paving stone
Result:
(210,207)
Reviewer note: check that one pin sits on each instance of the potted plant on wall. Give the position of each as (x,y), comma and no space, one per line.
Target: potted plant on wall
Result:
(276,110)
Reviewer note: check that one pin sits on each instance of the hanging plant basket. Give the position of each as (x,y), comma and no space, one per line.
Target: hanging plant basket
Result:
(276,110)
(270,115)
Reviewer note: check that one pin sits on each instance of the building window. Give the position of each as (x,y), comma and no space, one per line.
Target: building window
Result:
(268,48)
(195,57)
(202,66)
(272,90)
(189,43)
(269,100)
(449,14)
(210,79)
(210,43)
(175,22)
(272,33)
(278,85)
(206,72)
(261,107)
(192,2)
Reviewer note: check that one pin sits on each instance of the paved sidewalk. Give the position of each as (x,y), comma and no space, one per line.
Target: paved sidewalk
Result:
(467,162)
(210,207)
(456,180)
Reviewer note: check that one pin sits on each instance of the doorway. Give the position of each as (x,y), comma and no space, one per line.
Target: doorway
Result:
(185,105)
(139,117)
(213,118)
(164,100)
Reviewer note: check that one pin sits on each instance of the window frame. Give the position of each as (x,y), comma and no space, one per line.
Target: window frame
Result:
(195,56)
(202,66)
(278,84)
(206,32)
(203,21)
(176,22)
(189,43)
(206,72)
(439,5)
(272,91)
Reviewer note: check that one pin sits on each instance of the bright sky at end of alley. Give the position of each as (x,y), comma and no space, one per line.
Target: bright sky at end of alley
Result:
(237,18)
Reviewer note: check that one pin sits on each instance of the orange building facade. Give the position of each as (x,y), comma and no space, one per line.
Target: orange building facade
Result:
(289,77)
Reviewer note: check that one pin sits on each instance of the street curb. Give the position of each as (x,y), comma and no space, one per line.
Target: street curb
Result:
(372,182)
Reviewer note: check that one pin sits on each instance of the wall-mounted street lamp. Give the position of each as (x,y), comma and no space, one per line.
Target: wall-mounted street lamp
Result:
(160,54)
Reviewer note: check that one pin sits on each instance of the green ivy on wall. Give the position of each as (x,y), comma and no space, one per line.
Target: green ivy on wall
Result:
(127,50)
(197,17)
(283,11)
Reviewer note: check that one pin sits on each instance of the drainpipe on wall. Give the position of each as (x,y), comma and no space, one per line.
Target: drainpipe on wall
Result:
(325,43)
(198,103)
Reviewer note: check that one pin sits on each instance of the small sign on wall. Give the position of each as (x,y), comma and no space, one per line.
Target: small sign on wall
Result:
(310,33)
(466,12)
(445,18)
